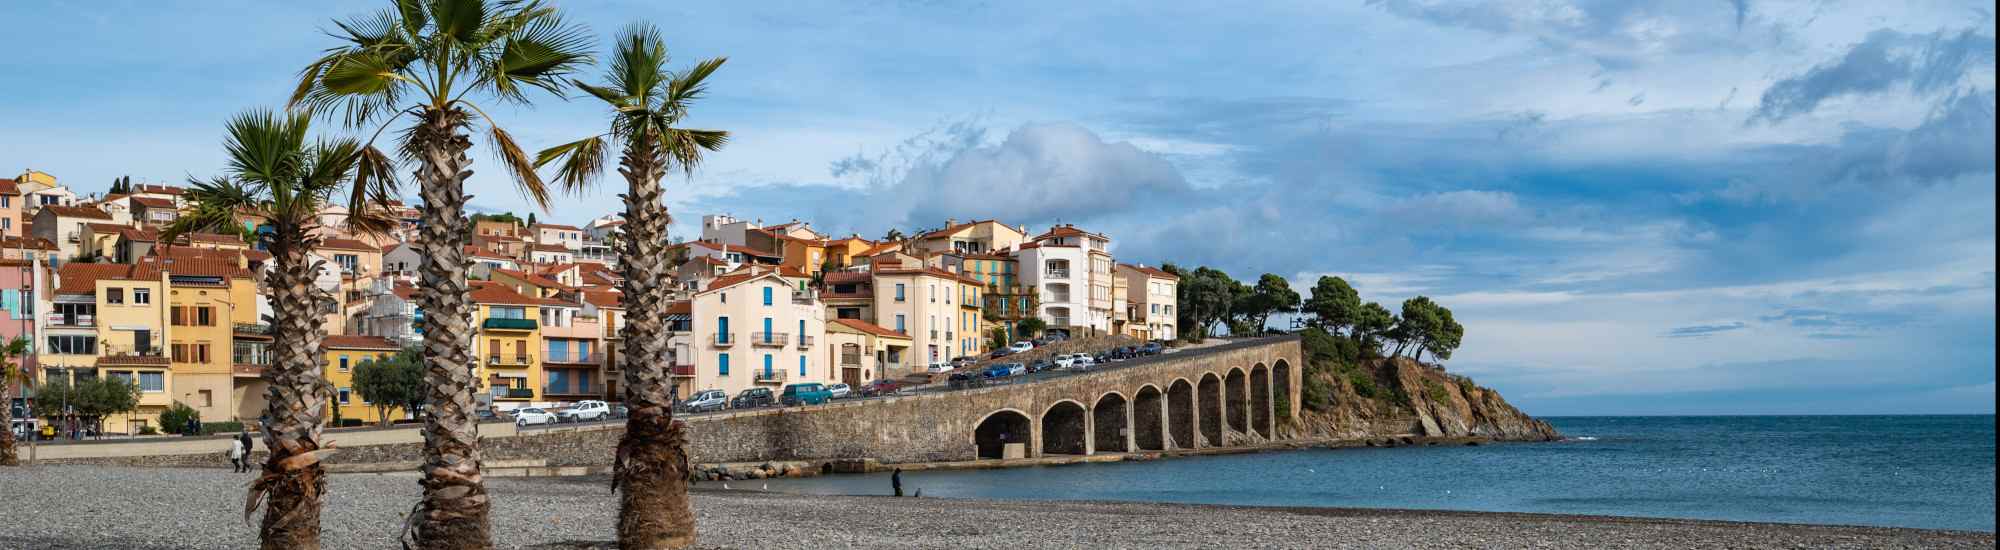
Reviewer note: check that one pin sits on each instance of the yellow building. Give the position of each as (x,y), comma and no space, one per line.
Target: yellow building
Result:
(205,298)
(971,317)
(509,334)
(129,318)
(344,354)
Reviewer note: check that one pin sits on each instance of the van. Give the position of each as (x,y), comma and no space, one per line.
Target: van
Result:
(808,393)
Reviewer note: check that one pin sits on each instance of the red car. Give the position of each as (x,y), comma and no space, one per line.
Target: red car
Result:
(881,387)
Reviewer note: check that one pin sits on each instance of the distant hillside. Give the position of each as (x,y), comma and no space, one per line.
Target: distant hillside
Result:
(1351,393)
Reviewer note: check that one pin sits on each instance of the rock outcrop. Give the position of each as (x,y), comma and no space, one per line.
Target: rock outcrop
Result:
(1408,398)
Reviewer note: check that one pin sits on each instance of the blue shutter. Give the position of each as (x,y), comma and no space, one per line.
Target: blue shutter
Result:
(767,330)
(767,295)
(767,365)
(723,360)
(802,365)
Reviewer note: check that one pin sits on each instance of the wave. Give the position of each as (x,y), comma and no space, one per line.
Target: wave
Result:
(1581,438)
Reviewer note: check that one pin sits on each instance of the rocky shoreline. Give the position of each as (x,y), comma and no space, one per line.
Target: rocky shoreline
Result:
(66,507)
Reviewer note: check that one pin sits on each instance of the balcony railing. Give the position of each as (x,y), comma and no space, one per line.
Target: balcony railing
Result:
(572,389)
(513,393)
(773,376)
(510,360)
(805,342)
(850,359)
(572,358)
(683,370)
(1058,321)
(500,323)
(723,340)
(770,339)
(1058,274)
(79,321)
(252,328)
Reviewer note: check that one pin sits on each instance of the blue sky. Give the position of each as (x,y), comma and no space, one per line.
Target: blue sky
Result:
(1699,207)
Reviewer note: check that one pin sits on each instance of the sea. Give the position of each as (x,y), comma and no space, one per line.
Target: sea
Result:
(1933,472)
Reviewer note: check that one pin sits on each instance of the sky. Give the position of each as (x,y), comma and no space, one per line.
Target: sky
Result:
(1673,207)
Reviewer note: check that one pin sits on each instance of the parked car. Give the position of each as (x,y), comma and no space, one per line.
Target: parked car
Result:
(936,368)
(1063,362)
(1151,348)
(706,400)
(585,411)
(963,361)
(840,391)
(1101,358)
(1041,365)
(490,415)
(1081,361)
(881,387)
(965,380)
(619,411)
(1004,370)
(1021,346)
(805,393)
(753,398)
(531,416)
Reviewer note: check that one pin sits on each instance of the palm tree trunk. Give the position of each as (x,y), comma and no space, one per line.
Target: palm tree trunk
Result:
(651,467)
(293,481)
(453,513)
(8,457)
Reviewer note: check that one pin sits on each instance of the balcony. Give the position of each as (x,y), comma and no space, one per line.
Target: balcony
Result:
(1059,274)
(572,358)
(256,329)
(804,298)
(513,393)
(1059,321)
(769,339)
(773,376)
(498,323)
(573,389)
(722,340)
(58,320)
(516,360)
(850,359)
(683,371)
(805,342)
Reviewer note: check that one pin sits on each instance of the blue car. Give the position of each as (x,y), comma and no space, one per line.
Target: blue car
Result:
(810,393)
(1004,370)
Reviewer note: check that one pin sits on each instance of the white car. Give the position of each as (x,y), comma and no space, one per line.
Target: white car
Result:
(1081,361)
(585,411)
(839,391)
(1063,362)
(936,368)
(1021,346)
(527,416)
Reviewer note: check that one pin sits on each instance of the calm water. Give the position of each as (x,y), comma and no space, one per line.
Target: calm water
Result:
(1902,471)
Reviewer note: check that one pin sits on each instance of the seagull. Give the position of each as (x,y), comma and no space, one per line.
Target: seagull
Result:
(725,485)
(767,486)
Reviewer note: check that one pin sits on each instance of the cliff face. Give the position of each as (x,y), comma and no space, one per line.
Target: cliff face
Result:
(1401,397)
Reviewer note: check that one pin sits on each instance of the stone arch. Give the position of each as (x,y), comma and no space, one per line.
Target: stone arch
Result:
(1065,429)
(1181,418)
(999,428)
(1235,386)
(1108,423)
(1260,400)
(1208,394)
(1149,421)
(1281,385)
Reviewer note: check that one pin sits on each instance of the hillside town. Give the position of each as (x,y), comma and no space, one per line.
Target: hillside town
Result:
(90,284)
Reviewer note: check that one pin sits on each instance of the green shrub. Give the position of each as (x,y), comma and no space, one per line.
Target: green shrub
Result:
(229,427)
(1283,406)
(1435,391)
(1364,385)
(1466,386)
(350,423)
(148,430)
(1317,393)
(176,418)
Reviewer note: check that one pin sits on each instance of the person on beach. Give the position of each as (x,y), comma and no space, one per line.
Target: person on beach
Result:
(243,439)
(236,455)
(896,481)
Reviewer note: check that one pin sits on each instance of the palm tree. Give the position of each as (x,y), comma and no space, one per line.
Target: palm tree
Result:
(11,374)
(425,60)
(277,174)
(646,101)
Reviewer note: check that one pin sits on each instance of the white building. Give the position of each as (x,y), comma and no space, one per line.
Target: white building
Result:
(756,328)
(1071,269)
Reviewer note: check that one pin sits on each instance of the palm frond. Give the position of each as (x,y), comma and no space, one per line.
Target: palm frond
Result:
(373,188)
(217,202)
(638,66)
(582,162)
(686,146)
(537,56)
(691,85)
(459,20)
(518,164)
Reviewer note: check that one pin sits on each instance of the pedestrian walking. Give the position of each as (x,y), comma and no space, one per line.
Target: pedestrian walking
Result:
(243,440)
(236,455)
(896,481)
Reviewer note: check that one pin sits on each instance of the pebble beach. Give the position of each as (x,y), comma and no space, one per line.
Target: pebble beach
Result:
(65,507)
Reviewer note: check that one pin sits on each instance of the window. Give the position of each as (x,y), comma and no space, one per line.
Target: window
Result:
(73,345)
(802,365)
(767,330)
(142,296)
(767,364)
(114,296)
(206,398)
(722,360)
(899,323)
(722,330)
(348,262)
(933,294)
(343,367)
(152,382)
(343,395)
(802,330)
(899,292)
(767,295)
(6,201)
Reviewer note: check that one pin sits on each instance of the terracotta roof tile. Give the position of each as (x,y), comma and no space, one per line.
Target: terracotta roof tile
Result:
(9,187)
(154,202)
(488,292)
(1156,272)
(82,278)
(869,328)
(350,341)
(77,212)
(603,298)
(340,243)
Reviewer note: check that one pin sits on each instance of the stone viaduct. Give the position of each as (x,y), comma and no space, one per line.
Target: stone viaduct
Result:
(1207,397)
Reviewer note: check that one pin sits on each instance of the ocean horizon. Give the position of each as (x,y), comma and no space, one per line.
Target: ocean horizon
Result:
(1915,471)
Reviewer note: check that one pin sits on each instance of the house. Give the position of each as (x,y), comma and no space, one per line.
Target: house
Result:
(206,296)
(39,189)
(108,320)
(528,284)
(64,225)
(550,254)
(392,312)
(923,302)
(864,352)
(568,237)
(1070,270)
(974,237)
(153,211)
(483,262)
(354,257)
(344,355)
(400,260)
(11,218)
(572,353)
(488,227)
(756,328)
(508,337)
(1150,296)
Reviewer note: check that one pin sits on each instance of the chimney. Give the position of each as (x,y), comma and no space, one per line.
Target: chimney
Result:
(948,222)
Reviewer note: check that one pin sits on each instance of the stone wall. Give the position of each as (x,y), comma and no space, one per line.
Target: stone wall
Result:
(928,427)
